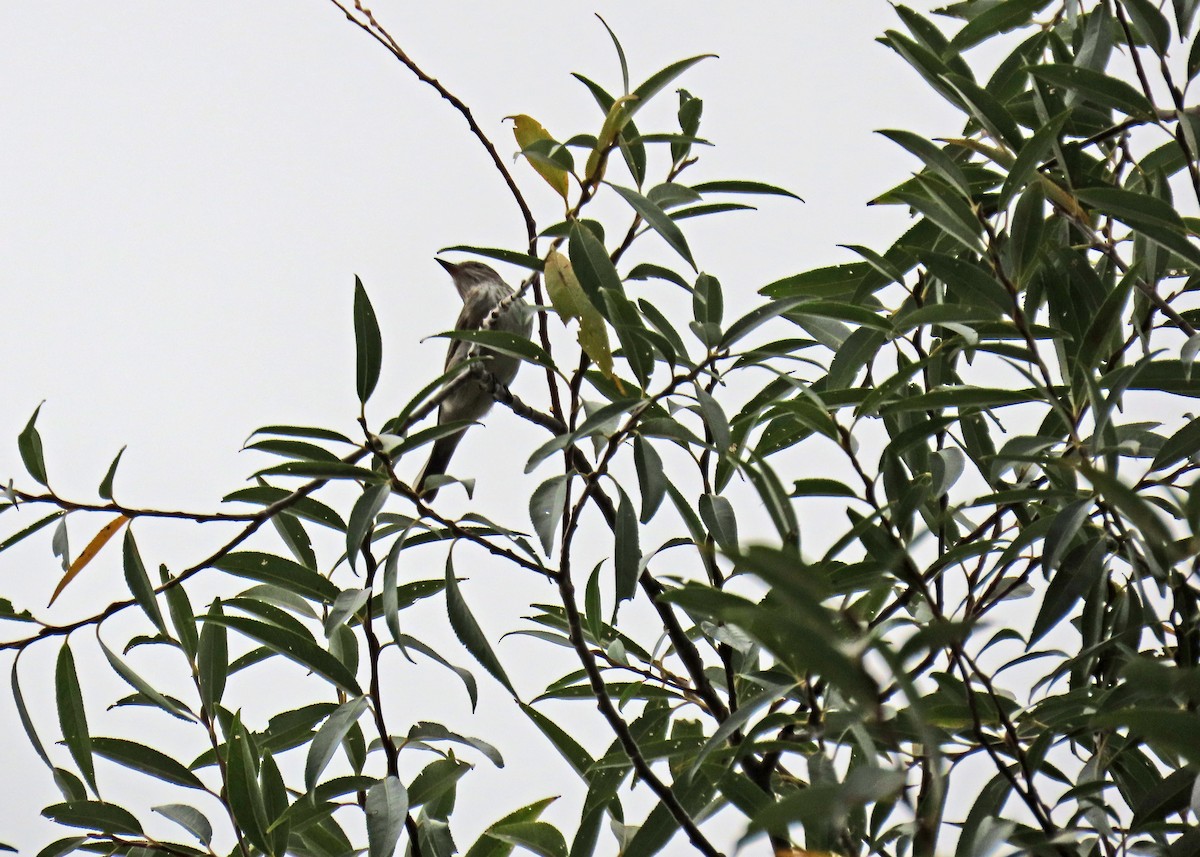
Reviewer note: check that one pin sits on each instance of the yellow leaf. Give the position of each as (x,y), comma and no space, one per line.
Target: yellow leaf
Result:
(570,302)
(89,553)
(614,123)
(528,131)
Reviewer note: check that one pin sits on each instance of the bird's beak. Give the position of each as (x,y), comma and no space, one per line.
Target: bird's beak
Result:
(450,267)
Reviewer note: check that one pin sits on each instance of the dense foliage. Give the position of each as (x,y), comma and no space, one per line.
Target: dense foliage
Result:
(897,561)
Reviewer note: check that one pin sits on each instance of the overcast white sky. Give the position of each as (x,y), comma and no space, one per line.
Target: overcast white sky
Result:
(187,191)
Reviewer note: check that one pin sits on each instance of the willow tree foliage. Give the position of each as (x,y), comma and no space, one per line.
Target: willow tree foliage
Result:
(896,558)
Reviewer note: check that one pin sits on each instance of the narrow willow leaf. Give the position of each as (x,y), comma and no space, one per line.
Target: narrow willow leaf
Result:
(523,260)
(390,596)
(717,514)
(1077,574)
(627,552)
(23,715)
(29,444)
(89,553)
(1182,445)
(386,809)
(72,717)
(143,687)
(546,510)
(368,343)
(740,186)
(651,480)
(212,659)
(1099,88)
(657,81)
(658,221)
(149,761)
(469,633)
(425,732)
(1000,18)
(329,738)
(486,846)
(106,483)
(139,583)
(182,616)
(275,804)
(189,818)
(294,647)
(541,838)
(362,518)
(94,815)
(241,786)
(593,268)
(409,643)
(278,571)
(933,157)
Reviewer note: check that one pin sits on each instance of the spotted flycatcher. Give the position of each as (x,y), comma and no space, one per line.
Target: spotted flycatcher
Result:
(481,290)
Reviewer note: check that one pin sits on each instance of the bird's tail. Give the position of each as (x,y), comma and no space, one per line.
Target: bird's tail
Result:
(439,460)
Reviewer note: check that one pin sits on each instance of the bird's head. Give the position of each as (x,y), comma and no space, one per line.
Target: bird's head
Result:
(469,275)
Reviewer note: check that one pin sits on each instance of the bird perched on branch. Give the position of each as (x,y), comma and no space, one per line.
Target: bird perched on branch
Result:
(482,291)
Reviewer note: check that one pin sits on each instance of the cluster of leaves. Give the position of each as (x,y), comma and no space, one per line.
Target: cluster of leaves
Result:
(982,563)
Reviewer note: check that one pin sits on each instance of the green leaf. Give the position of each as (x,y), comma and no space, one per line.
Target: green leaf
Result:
(31,529)
(323,470)
(23,715)
(243,793)
(934,158)
(190,819)
(94,815)
(425,732)
(817,487)
(469,633)
(1184,444)
(362,518)
(29,444)
(485,846)
(539,837)
(72,717)
(655,82)
(627,553)
(139,757)
(1098,88)
(106,484)
(1150,23)
(590,262)
(1030,157)
(1000,18)
(386,809)
(658,221)
(278,571)
(502,342)
(1077,574)
(212,660)
(329,738)
(651,479)
(143,687)
(302,507)
(546,509)
(139,584)
(740,186)
(717,514)
(523,260)
(368,343)
(294,647)
(182,616)
(1152,217)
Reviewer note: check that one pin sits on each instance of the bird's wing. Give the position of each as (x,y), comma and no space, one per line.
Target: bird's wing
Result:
(457,352)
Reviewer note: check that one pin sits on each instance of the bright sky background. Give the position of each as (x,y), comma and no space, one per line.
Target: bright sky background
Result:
(189,189)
